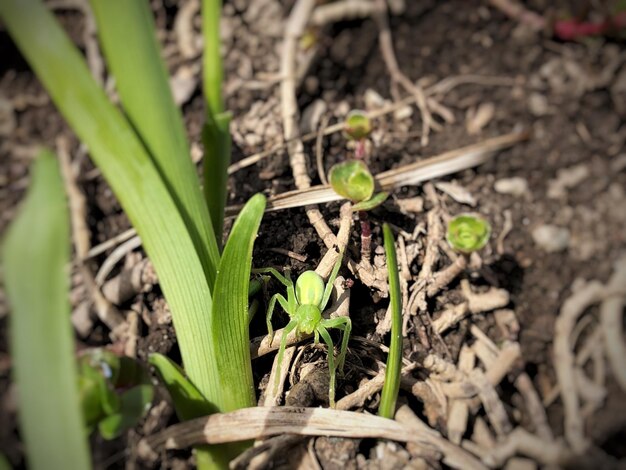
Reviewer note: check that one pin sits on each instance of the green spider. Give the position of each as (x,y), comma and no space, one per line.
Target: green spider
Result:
(305,304)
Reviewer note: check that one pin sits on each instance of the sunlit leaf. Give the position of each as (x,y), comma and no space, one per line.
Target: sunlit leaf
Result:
(35,255)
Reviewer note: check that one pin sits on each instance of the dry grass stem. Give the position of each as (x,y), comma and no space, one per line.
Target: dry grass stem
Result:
(107,313)
(139,278)
(115,257)
(273,392)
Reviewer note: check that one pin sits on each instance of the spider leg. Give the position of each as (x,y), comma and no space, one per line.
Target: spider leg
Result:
(344,324)
(281,351)
(331,362)
(286,281)
(291,294)
(329,285)
(270,311)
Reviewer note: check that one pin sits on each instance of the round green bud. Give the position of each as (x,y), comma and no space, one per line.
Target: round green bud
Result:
(468,232)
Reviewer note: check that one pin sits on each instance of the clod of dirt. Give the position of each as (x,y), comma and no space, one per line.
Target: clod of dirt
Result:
(515,186)
(336,453)
(8,122)
(567,178)
(551,238)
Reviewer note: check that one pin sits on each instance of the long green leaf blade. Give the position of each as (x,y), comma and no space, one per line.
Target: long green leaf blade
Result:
(391,386)
(36,253)
(127,34)
(131,174)
(230,309)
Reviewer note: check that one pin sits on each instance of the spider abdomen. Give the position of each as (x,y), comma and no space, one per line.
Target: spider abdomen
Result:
(309,288)
(307,317)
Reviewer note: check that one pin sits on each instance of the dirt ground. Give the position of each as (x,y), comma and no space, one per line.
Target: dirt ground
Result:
(556,203)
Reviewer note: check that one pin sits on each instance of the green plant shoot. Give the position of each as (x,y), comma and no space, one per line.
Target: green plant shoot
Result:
(352,179)
(468,233)
(358,125)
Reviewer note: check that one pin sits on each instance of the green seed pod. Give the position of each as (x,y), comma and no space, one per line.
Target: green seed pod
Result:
(357,125)
(468,232)
(352,180)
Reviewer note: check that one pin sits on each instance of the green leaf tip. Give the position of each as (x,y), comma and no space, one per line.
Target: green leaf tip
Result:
(468,233)
(352,179)
(357,125)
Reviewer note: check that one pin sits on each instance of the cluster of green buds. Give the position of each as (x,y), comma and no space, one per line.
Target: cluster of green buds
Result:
(115,391)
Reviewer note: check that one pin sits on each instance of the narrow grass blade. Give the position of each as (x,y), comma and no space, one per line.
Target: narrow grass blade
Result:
(212,70)
(230,309)
(35,254)
(391,387)
(215,134)
(131,174)
(128,37)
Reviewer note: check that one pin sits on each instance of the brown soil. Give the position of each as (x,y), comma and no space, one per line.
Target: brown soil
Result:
(571,95)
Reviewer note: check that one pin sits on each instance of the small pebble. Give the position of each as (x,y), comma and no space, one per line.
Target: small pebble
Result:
(404,112)
(567,178)
(551,238)
(372,99)
(538,104)
(515,186)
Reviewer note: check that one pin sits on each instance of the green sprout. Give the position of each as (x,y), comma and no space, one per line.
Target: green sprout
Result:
(115,391)
(304,305)
(468,233)
(353,180)
(357,125)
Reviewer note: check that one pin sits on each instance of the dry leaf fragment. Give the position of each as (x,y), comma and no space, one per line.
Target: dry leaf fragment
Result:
(478,118)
